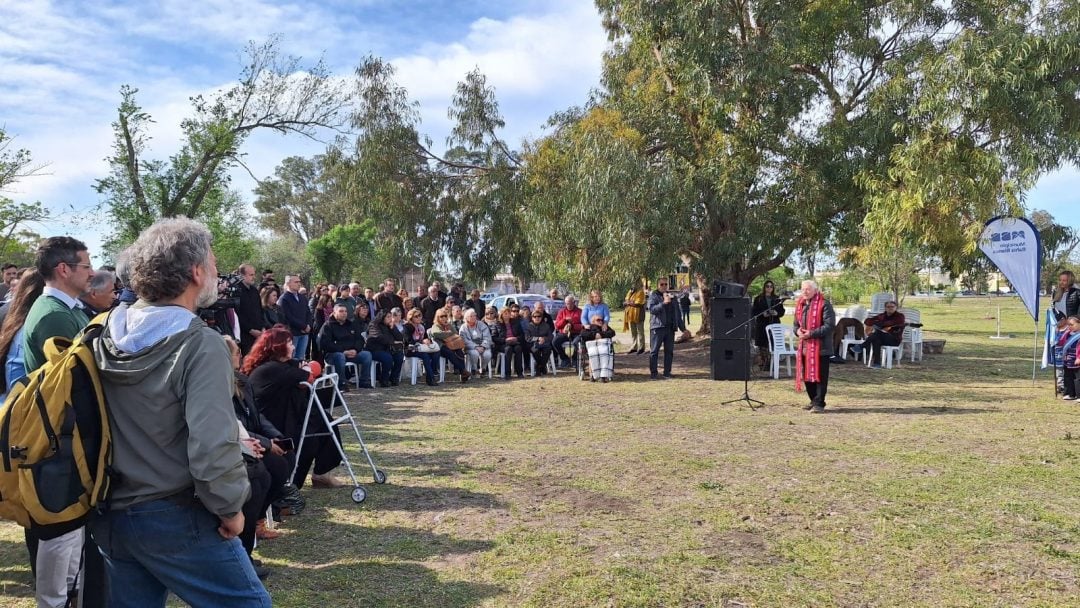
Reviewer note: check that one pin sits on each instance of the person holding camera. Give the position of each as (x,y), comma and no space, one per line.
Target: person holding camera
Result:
(883,329)
(666,320)
(249,311)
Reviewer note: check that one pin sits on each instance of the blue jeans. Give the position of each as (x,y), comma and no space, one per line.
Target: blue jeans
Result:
(390,365)
(300,342)
(431,365)
(362,361)
(160,546)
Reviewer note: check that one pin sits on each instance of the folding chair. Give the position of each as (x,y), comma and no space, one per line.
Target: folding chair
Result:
(330,381)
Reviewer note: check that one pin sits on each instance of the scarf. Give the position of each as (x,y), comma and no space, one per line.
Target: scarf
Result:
(808,361)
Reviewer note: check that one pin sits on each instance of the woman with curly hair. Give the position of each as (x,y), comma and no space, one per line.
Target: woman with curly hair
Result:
(275,380)
(26,292)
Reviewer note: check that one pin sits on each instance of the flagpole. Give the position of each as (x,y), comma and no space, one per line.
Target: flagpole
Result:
(1035,355)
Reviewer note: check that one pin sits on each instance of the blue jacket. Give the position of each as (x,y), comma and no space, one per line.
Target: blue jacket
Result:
(296,312)
(595,309)
(664,316)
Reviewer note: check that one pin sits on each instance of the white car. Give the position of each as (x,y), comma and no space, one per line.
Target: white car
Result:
(527,300)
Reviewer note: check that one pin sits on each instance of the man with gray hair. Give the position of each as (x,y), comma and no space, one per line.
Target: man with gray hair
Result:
(100,296)
(814,322)
(175,510)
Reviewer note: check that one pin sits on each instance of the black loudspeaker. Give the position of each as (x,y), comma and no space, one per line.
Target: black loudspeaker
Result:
(726,314)
(727,289)
(730,359)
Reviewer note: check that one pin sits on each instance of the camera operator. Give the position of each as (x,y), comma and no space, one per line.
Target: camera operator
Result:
(249,311)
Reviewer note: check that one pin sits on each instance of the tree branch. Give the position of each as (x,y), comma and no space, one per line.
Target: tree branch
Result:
(133,166)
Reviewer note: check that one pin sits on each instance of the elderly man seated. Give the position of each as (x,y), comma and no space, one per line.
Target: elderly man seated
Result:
(884,329)
(567,328)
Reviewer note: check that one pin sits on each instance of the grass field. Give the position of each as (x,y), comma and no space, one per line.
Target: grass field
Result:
(950,482)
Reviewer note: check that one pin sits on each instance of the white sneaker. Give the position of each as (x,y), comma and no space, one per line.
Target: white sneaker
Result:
(1068,398)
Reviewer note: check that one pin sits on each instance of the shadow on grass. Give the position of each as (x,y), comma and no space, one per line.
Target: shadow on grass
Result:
(376,584)
(923,410)
(371,565)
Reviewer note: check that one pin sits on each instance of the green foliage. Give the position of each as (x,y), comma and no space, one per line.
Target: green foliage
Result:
(740,132)
(1058,244)
(302,199)
(15,164)
(274,92)
(285,254)
(848,287)
(342,249)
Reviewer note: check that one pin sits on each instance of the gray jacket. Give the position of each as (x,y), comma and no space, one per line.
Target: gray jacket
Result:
(480,336)
(168,381)
(825,331)
(664,316)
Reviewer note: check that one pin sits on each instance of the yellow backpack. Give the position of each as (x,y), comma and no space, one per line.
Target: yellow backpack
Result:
(55,444)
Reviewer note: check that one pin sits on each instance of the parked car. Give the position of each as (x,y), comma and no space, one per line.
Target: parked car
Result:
(488,297)
(528,300)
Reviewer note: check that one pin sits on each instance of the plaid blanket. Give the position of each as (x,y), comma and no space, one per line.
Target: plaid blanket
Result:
(601,359)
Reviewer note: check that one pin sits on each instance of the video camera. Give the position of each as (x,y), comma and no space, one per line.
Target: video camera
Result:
(230,286)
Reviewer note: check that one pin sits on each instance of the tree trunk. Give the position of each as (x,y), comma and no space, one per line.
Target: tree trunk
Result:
(705,294)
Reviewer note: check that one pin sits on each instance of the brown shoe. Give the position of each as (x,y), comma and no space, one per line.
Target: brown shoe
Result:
(264,533)
(465,377)
(325,481)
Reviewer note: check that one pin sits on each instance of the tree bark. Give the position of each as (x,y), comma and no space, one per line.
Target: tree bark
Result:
(705,294)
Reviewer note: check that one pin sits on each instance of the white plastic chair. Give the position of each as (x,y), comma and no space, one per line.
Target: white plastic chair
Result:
(913,339)
(416,365)
(849,340)
(550,365)
(780,347)
(878,301)
(888,355)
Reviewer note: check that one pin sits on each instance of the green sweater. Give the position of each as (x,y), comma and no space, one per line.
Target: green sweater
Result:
(49,317)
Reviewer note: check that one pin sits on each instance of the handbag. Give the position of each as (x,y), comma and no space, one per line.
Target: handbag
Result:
(426,348)
(454,343)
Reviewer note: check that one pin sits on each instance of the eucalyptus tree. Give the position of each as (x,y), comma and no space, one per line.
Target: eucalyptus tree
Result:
(739,131)
(463,205)
(275,92)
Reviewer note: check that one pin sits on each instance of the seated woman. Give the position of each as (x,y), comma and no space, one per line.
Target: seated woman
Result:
(266,445)
(491,317)
(885,329)
(508,337)
(478,343)
(450,344)
(275,380)
(419,345)
(387,347)
(539,335)
(601,359)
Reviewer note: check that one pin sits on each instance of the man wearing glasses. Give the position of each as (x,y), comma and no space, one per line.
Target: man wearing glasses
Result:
(666,319)
(883,329)
(65,265)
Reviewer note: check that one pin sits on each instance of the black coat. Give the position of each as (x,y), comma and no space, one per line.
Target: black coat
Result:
(279,396)
(337,337)
(535,331)
(246,411)
(382,338)
(760,305)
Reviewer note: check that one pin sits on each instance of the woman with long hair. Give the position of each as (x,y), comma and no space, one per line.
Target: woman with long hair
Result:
(508,334)
(275,379)
(771,308)
(450,344)
(387,347)
(271,311)
(29,288)
(417,344)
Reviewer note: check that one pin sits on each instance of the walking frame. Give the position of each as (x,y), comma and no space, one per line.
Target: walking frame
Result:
(330,422)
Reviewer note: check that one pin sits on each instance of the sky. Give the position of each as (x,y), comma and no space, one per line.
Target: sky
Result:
(62,64)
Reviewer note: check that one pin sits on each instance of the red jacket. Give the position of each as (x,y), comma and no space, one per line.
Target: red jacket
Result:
(571,318)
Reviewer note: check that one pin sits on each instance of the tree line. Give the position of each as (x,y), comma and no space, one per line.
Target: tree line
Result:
(737,135)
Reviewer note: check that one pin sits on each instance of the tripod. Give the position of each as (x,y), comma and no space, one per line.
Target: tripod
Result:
(746,379)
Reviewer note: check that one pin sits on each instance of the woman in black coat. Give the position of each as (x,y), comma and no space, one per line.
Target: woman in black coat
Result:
(770,307)
(387,348)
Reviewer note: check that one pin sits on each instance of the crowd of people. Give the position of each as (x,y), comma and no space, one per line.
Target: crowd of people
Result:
(206,382)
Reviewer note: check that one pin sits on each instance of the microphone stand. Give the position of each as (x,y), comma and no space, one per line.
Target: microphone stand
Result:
(746,379)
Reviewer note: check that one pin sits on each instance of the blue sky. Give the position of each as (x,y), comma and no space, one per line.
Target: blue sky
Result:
(64,62)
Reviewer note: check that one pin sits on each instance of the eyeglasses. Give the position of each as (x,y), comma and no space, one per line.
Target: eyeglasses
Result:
(78,265)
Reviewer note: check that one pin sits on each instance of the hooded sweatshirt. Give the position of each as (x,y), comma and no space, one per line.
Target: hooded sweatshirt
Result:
(168,381)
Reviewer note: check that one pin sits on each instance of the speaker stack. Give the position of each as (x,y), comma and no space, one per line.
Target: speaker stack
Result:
(729,353)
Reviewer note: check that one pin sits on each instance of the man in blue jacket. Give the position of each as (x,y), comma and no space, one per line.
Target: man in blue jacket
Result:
(666,319)
(297,314)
